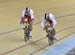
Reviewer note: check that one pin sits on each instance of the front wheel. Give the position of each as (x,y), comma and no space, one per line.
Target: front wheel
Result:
(50,38)
(26,34)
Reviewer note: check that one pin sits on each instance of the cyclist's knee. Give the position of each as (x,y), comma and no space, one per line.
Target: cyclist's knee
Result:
(30,27)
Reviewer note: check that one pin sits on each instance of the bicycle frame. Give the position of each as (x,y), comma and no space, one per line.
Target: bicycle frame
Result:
(50,34)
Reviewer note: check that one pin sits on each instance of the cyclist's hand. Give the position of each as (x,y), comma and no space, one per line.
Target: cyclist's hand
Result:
(20,22)
(51,25)
(44,28)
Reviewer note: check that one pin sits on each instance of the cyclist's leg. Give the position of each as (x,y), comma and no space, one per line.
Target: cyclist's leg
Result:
(30,30)
(53,33)
(30,27)
(46,31)
(46,26)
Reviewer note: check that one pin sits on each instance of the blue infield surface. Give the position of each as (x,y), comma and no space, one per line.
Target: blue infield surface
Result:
(62,48)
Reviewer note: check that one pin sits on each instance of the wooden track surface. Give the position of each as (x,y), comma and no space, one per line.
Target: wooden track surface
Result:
(11,33)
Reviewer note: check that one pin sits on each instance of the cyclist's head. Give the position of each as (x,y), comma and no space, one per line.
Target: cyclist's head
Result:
(27,10)
(46,16)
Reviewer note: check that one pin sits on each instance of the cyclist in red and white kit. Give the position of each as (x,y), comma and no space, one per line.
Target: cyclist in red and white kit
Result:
(27,13)
(48,19)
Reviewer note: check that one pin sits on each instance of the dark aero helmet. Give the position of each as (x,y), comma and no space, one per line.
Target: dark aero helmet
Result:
(27,10)
(46,16)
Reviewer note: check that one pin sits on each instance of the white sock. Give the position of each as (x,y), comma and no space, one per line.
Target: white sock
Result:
(30,33)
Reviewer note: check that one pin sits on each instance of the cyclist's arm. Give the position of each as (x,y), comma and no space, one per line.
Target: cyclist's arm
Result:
(32,15)
(42,23)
